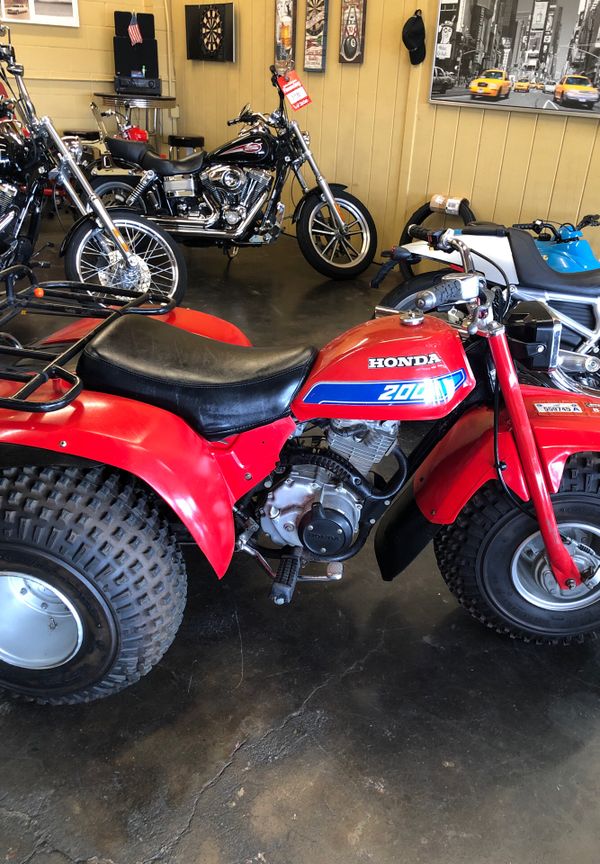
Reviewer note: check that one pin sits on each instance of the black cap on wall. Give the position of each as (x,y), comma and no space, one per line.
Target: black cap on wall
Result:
(413,36)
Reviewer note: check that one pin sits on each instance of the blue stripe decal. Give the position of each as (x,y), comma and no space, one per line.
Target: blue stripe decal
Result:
(424,391)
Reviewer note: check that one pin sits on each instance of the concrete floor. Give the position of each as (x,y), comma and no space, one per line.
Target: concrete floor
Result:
(368,722)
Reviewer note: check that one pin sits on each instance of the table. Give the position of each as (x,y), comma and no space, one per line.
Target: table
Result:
(144,102)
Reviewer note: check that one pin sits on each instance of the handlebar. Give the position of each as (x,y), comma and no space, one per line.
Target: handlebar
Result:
(449,290)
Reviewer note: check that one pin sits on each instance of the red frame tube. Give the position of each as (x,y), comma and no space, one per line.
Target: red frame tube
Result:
(562,565)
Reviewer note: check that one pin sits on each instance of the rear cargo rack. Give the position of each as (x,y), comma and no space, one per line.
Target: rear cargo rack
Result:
(65,299)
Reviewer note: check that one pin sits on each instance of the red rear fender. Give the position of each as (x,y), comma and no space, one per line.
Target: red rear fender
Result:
(199,480)
(186,319)
(563,424)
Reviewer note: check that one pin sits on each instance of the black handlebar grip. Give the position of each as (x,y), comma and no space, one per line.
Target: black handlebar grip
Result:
(445,292)
(419,233)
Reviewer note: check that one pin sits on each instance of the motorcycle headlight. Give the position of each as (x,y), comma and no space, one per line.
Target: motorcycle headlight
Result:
(306,136)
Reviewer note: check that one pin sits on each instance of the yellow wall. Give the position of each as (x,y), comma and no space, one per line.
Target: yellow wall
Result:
(373,128)
(371,125)
(65,65)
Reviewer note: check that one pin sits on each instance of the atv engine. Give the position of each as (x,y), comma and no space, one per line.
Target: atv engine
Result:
(227,193)
(316,507)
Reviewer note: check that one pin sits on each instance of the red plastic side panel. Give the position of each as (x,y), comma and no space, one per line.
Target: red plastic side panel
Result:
(464,460)
(199,480)
(186,319)
(386,370)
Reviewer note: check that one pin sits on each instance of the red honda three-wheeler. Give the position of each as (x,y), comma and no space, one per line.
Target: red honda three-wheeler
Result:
(137,424)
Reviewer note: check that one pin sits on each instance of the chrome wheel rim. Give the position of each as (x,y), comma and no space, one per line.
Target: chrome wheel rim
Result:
(99,262)
(345,248)
(533,580)
(39,626)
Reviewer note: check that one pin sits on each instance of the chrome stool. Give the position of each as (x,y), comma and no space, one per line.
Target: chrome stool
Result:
(188,143)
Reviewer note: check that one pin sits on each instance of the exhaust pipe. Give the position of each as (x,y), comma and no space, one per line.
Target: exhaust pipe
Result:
(194,227)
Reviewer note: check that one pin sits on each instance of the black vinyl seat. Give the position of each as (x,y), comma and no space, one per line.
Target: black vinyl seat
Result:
(534,272)
(218,388)
(140,154)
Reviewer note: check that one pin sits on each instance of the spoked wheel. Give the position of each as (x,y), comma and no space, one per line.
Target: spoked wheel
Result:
(92,584)
(94,257)
(338,254)
(493,560)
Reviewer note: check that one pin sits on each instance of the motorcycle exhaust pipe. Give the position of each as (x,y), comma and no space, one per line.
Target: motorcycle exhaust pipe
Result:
(570,361)
(194,227)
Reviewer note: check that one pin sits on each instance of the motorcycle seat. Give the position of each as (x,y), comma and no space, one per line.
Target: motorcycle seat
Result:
(534,272)
(219,389)
(169,168)
(140,154)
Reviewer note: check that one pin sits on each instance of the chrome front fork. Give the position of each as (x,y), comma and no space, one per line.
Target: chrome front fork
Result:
(94,201)
(321,181)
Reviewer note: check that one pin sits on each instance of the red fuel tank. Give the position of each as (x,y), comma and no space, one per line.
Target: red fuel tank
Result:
(387,369)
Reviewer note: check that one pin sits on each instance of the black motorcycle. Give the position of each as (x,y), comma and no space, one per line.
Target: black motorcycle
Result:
(232,196)
(119,249)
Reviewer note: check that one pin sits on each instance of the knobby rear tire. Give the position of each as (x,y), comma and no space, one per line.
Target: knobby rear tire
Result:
(97,539)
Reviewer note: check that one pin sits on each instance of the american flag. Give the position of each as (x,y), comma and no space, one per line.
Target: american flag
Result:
(135,34)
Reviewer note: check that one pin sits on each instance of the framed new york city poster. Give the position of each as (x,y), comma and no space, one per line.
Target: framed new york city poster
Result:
(58,13)
(520,55)
(315,35)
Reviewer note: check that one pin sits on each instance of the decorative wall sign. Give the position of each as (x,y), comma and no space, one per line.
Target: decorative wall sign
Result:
(520,55)
(285,31)
(352,36)
(315,36)
(210,32)
(58,13)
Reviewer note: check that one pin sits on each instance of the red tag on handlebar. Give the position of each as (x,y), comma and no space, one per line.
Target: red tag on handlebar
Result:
(294,90)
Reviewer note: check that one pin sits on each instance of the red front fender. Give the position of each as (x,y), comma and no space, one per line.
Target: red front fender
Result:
(463,461)
(199,480)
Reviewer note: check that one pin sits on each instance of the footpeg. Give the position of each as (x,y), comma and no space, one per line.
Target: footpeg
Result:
(284,583)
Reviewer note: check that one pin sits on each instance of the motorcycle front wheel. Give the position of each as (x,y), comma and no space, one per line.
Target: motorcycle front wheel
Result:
(93,257)
(338,255)
(492,558)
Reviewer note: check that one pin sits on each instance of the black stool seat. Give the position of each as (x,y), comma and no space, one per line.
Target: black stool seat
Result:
(185,140)
(218,388)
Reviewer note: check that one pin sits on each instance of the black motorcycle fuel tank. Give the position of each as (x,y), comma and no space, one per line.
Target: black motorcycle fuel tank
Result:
(252,148)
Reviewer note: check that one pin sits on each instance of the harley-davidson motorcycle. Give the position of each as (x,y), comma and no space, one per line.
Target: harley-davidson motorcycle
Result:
(289,455)
(232,196)
(558,270)
(104,249)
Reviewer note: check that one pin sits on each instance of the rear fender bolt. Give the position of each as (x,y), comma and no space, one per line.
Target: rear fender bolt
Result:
(247,476)
(62,443)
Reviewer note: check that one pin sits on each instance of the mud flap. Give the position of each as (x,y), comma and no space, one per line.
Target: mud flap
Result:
(402,534)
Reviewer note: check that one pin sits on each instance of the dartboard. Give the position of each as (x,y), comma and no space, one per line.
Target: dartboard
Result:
(212,30)
(315,17)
